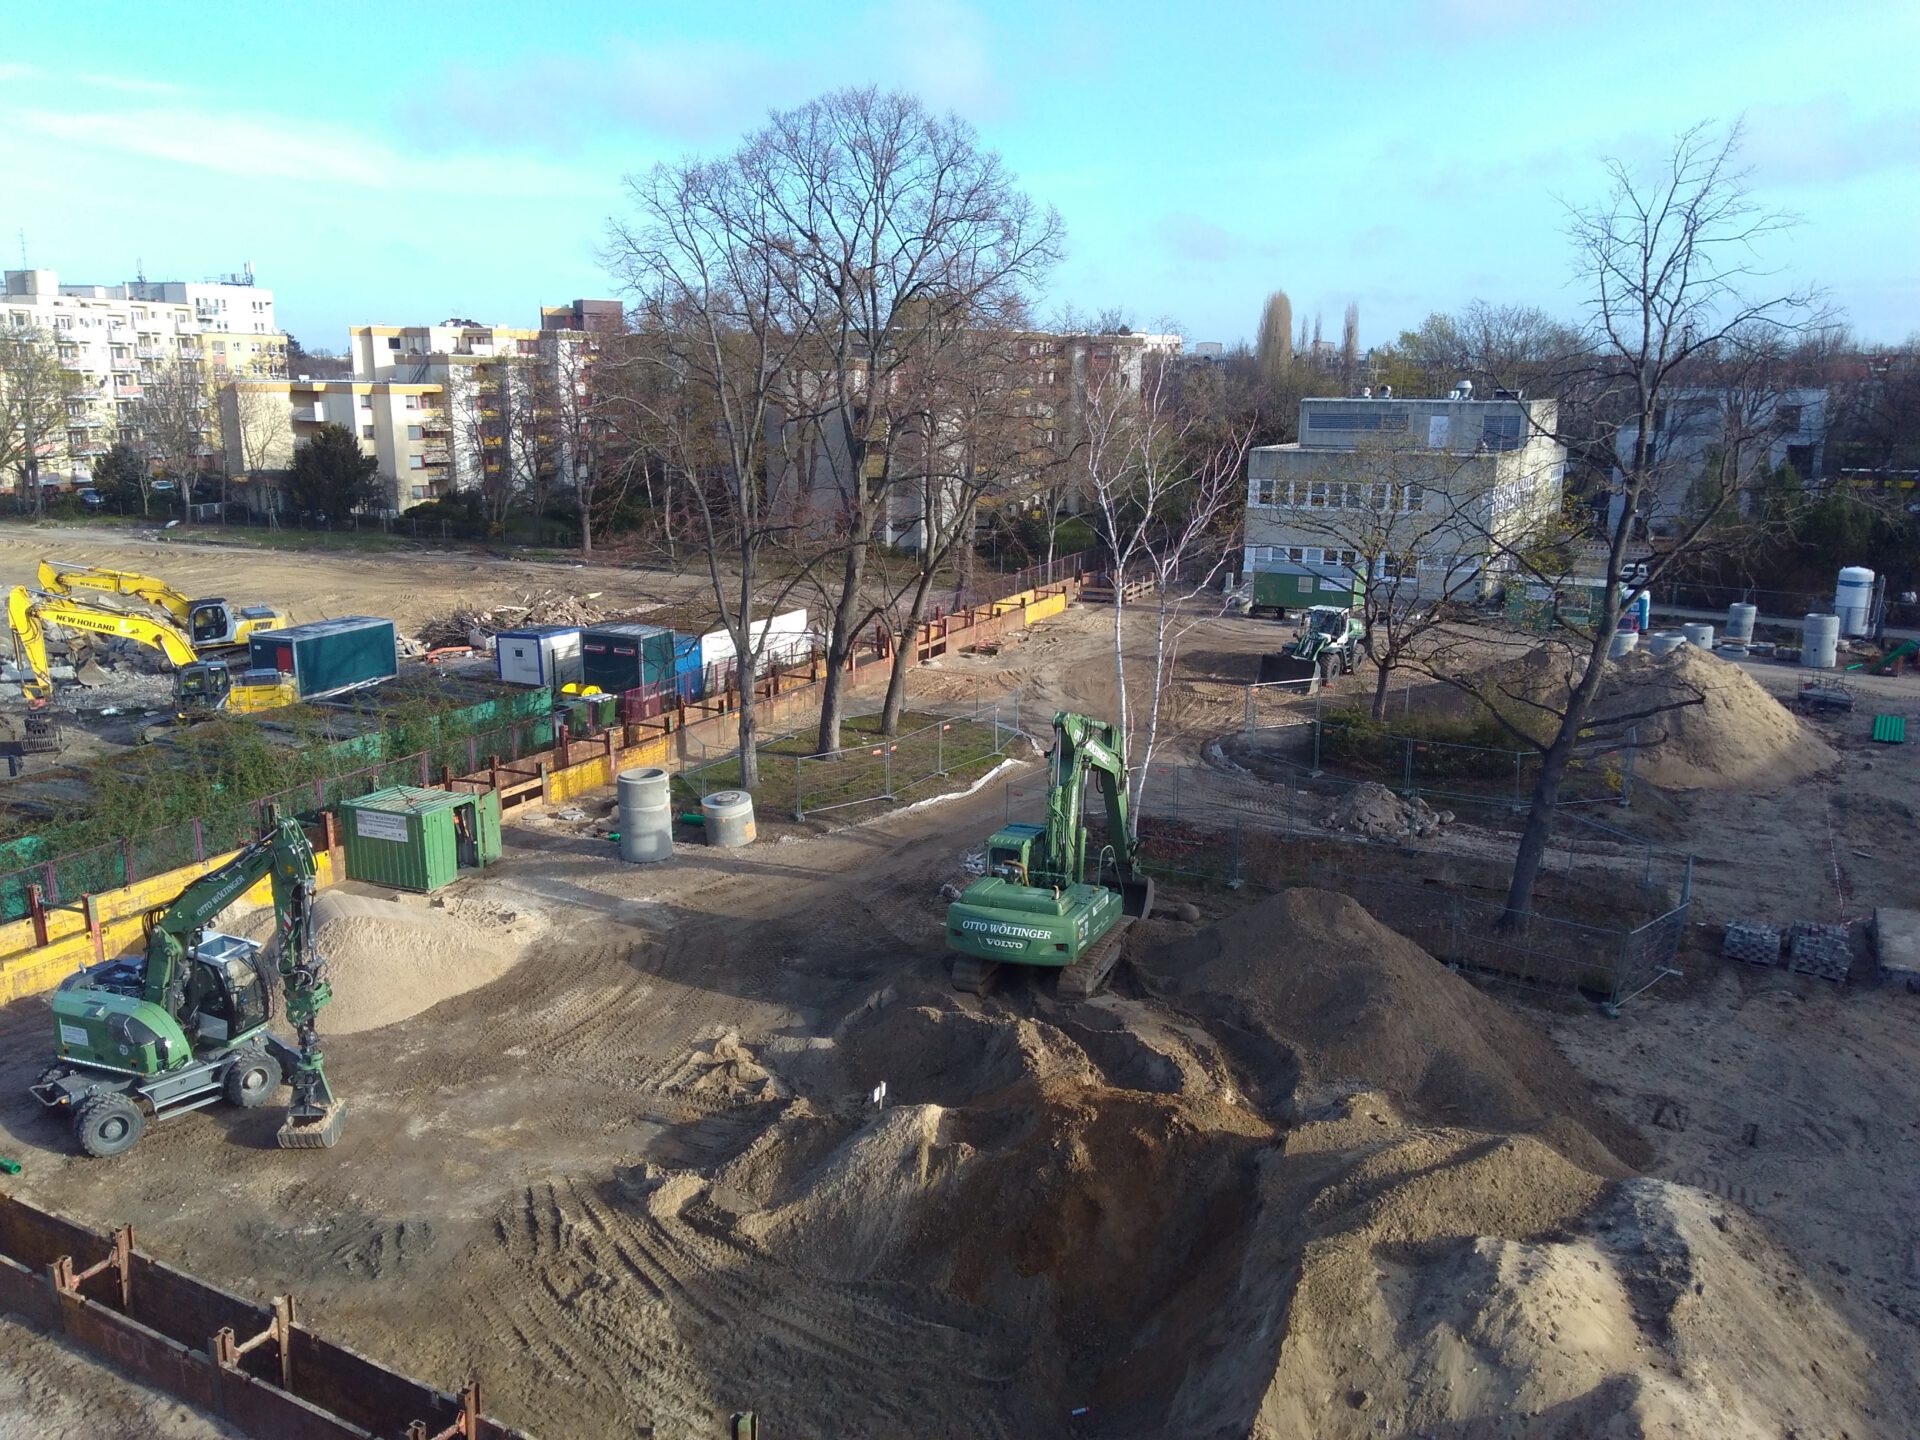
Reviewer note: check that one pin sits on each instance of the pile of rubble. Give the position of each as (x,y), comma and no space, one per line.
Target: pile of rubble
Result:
(475,627)
(1372,810)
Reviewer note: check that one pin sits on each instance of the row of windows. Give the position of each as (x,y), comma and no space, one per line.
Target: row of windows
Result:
(1393,567)
(1378,495)
(1384,422)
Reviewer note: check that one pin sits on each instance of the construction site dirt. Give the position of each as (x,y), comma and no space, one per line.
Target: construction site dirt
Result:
(1288,1176)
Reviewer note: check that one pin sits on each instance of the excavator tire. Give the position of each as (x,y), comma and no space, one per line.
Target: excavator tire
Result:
(252,1079)
(320,1133)
(108,1124)
(973,975)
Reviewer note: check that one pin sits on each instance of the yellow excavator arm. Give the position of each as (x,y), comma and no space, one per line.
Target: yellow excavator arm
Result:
(211,624)
(61,577)
(28,612)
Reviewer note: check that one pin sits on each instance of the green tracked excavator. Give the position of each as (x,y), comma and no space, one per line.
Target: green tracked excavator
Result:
(185,1025)
(1035,906)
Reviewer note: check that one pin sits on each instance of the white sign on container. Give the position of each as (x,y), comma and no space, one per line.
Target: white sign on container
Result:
(379,825)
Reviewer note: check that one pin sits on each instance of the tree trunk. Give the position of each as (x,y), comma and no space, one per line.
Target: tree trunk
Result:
(840,643)
(1380,683)
(749,752)
(903,655)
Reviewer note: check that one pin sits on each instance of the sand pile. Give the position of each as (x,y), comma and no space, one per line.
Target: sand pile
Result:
(389,960)
(1308,988)
(1449,1284)
(1737,734)
(1372,810)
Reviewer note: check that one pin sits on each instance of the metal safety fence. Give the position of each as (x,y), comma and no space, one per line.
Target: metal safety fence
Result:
(1610,912)
(961,741)
(62,878)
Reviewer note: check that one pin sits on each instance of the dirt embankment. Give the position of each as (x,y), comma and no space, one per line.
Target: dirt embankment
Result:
(1310,1183)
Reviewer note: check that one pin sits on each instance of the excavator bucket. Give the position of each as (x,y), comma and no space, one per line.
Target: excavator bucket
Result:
(1136,897)
(1286,665)
(314,1127)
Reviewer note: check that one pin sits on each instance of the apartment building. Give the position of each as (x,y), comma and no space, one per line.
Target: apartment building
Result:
(1428,494)
(448,407)
(1706,442)
(112,337)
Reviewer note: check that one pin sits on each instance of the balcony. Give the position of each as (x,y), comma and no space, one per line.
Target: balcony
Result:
(306,415)
(433,423)
(126,389)
(149,352)
(436,456)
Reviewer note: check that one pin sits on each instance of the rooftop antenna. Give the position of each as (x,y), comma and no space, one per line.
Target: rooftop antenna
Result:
(23,247)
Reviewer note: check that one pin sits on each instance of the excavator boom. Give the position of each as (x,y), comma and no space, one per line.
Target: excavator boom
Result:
(212,624)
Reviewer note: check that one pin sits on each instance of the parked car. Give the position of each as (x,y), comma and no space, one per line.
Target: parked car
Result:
(92,499)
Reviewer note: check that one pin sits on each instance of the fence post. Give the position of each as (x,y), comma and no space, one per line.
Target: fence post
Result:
(199,844)
(886,762)
(1247,725)
(1407,785)
(1314,773)
(940,747)
(799,796)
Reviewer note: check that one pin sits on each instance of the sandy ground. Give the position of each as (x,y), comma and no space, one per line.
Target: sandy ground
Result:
(639,1177)
(408,586)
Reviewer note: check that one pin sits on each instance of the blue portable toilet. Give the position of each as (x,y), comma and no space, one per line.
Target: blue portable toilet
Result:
(689,673)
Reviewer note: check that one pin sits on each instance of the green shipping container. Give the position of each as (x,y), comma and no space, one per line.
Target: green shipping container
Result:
(413,839)
(329,657)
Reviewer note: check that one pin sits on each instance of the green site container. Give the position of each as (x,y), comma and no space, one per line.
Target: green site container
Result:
(1291,587)
(413,839)
(329,657)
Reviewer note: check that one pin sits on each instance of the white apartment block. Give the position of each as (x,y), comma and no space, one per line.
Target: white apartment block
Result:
(1427,494)
(114,336)
(441,407)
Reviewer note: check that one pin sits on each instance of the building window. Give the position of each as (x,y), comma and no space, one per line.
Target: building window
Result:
(414,432)
(1347,558)
(366,432)
(393,342)
(1296,554)
(1319,494)
(1260,553)
(1502,432)
(1412,497)
(1786,418)
(1398,567)
(416,462)
(419,492)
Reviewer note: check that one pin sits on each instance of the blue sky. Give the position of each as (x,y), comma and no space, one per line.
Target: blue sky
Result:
(404,163)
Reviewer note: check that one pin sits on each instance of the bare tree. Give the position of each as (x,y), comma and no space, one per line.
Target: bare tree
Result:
(35,393)
(1274,348)
(977,435)
(1669,260)
(703,387)
(258,428)
(1161,499)
(178,424)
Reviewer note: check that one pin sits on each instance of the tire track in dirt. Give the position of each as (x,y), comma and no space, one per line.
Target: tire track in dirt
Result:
(616,1292)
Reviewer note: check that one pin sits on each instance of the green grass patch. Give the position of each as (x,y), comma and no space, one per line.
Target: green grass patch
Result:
(932,755)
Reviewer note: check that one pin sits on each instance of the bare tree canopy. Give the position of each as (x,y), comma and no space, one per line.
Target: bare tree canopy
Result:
(803,277)
(1671,264)
(35,389)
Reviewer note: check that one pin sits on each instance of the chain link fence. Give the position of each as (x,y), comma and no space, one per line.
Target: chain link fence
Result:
(1610,911)
(954,742)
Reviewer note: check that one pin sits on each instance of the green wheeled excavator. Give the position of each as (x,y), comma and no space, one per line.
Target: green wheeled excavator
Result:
(1035,905)
(186,1024)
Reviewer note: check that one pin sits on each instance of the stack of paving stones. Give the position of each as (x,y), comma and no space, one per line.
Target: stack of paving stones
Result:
(1752,942)
(1823,951)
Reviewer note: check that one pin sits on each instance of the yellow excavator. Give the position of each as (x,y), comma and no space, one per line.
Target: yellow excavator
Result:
(200,687)
(211,624)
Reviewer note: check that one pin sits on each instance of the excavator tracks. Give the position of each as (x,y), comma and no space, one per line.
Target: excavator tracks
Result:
(1083,978)
(973,975)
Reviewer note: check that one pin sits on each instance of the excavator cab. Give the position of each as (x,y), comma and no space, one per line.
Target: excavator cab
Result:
(228,993)
(202,687)
(215,622)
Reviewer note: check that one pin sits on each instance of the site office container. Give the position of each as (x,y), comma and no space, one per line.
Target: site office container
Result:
(619,658)
(1290,587)
(329,657)
(413,839)
(543,655)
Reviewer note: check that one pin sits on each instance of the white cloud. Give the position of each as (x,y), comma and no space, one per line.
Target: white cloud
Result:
(257,148)
(129,84)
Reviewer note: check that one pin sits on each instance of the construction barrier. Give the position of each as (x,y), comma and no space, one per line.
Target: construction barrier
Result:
(37,953)
(254,1366)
